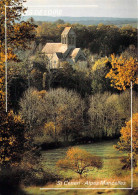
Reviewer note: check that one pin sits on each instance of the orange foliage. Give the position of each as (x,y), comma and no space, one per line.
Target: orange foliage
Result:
(11,138)
(79,161)
(125,140)
(123,71)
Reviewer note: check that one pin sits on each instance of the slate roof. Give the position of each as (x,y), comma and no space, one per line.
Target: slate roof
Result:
(59,55)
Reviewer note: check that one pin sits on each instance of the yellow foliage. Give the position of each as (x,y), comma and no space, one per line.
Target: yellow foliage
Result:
(100,63)
(10,132)
(42,93)
(125,139)
(52,129)
(49,127)
(123,71)
(79,161)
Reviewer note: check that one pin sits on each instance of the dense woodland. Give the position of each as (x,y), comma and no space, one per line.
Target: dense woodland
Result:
(72,105)
(101,101)
(100,39)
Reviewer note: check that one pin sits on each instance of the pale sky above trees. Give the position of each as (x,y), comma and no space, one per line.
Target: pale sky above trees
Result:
(98,8)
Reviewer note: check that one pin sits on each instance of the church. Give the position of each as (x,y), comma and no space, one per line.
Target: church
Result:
(64,51)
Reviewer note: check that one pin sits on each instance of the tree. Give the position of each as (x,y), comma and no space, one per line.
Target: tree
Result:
(19,34)
(100,63)
(131,51)
(59,21)
(40,71)
(11,126)
(65,110)
(72,78)
(123,71)
(2,82)
(125,140)
(96,114)
(108,113)
(11,140)
(16,87)
(59,112)
(12,131)
(99,70)
(31,109)
(79,161)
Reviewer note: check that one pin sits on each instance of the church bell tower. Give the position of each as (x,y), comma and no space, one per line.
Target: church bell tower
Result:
(68,37)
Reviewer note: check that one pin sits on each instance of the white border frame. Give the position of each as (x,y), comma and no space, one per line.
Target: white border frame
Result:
(7,101)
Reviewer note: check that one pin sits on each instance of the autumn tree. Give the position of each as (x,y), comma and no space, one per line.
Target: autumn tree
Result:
(11,140)
(99,70)
(108,112)
(18,34)
(100,63)
(2,81)
(124,143)
(123,71)
(58,111)
(104,115)
(79,161)
(65,110)
(31,109)
(11,125)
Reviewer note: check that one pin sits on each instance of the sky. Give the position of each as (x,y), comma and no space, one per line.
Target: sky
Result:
(88,8)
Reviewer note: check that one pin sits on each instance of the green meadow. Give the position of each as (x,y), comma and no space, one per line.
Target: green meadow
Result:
(111,171)
(110,156)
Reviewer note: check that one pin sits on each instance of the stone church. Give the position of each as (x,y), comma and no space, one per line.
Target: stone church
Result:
(64,51)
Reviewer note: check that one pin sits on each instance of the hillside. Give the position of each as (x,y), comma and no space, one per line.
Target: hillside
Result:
(86,20)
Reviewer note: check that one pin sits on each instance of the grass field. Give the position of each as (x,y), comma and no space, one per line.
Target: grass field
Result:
(105,150)
(110,172)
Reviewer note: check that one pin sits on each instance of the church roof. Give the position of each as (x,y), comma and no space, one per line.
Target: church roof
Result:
(66,30)
(59,55)
(75,52)
(63,48)
(51,48)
